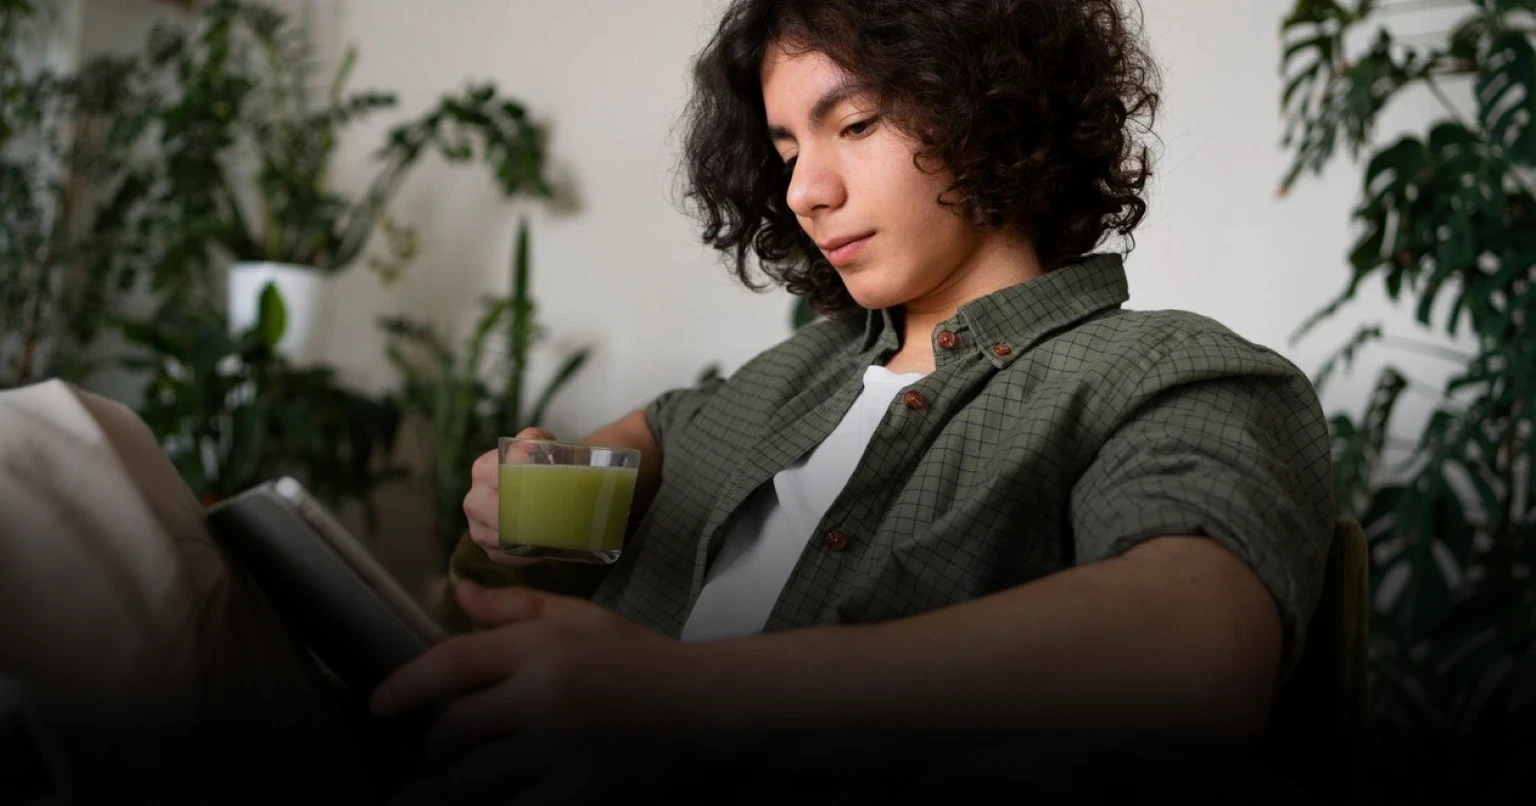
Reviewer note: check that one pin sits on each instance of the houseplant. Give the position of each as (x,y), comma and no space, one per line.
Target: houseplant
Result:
(1445,221)
(231,413)
(242,153)
(96,203)
(244,116)
(142,176)
(55,292)
(447,387)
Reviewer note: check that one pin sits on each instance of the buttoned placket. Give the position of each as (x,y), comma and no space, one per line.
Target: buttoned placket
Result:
(914,417)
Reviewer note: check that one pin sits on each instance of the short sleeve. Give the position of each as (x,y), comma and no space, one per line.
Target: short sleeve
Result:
(676,406)
(1228,441)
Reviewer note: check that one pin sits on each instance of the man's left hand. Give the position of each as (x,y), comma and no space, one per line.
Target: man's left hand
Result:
(557,699)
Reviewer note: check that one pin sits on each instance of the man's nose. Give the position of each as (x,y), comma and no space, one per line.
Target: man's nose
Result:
(816,185)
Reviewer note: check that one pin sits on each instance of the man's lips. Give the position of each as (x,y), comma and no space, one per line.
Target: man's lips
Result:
(842,250)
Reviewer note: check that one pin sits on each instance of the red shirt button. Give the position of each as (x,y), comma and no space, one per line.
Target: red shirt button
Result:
(914,400)
(836,540)
(948,340)
(1003,350)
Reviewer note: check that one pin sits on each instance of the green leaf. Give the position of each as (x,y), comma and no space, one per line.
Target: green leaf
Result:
(407,370)
(272,317)
(1322,43)
(520,326)
(1430,206)
(1378,415)
(1506,95)
(1426,596)
(521,271)
(562,376)
(1352,465)
(1452,527)
(148,335)
(1302,79)
(1327,311)
(1389,185)
(1357,447)
(1346,355)
(422,335)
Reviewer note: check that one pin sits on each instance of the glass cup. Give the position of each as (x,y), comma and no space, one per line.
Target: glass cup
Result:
(563,501)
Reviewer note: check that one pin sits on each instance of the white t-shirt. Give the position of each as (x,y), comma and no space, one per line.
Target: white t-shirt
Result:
(769,535)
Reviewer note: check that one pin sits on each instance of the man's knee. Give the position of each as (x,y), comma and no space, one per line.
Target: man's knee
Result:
(106,557)
(52,432)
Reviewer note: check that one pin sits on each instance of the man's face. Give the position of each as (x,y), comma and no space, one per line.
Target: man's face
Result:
(855,189)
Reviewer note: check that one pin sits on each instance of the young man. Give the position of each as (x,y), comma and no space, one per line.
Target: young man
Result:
(978,514)
(979,505)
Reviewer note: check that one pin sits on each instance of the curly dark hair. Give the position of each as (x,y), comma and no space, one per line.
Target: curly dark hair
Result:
(1031,106)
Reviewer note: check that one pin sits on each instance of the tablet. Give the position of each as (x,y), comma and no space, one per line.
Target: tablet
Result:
(325,585)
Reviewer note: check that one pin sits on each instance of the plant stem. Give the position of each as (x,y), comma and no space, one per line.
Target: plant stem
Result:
(1426,390)
(1445,101)
(34,329)
(1427,349)
(1419,5)
(1506,463)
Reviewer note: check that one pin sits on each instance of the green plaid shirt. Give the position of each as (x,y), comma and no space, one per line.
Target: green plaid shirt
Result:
(1058,429)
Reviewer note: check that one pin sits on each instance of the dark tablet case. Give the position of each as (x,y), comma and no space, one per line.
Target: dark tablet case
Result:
(325,586)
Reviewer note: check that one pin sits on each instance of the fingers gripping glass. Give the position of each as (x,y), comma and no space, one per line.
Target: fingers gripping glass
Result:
(562,501)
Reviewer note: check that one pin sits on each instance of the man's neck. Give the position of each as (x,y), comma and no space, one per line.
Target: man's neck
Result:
(1000,264)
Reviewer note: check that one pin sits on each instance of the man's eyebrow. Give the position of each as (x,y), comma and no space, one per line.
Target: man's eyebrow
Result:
(848,88)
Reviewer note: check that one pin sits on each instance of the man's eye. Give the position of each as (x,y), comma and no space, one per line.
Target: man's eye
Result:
(860,128)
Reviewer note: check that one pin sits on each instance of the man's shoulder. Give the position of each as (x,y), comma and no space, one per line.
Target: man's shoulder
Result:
(1179,342)
(1134,332)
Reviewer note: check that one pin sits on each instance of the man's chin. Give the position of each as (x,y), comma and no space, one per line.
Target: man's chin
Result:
(871,296)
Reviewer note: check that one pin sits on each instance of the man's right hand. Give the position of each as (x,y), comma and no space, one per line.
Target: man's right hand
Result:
(481,505)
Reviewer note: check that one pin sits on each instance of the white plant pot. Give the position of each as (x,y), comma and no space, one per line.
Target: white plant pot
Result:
(306,299)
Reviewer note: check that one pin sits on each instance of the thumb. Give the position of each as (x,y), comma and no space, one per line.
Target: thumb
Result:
(535,433)
(496,607)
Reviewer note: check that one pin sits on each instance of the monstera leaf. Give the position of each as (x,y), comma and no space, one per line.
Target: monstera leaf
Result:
(1506,96)
(1431,207)
(1330,97)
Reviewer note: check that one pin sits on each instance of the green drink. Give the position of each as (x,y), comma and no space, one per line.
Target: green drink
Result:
(565,502)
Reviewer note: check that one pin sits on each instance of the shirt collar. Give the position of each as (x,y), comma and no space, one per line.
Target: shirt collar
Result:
(1005,324)
(881,328)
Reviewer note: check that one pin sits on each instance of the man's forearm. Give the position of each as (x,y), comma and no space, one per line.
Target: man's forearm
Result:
(1173,646)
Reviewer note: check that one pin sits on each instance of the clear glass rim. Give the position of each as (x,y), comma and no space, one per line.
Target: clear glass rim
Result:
(631,453)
